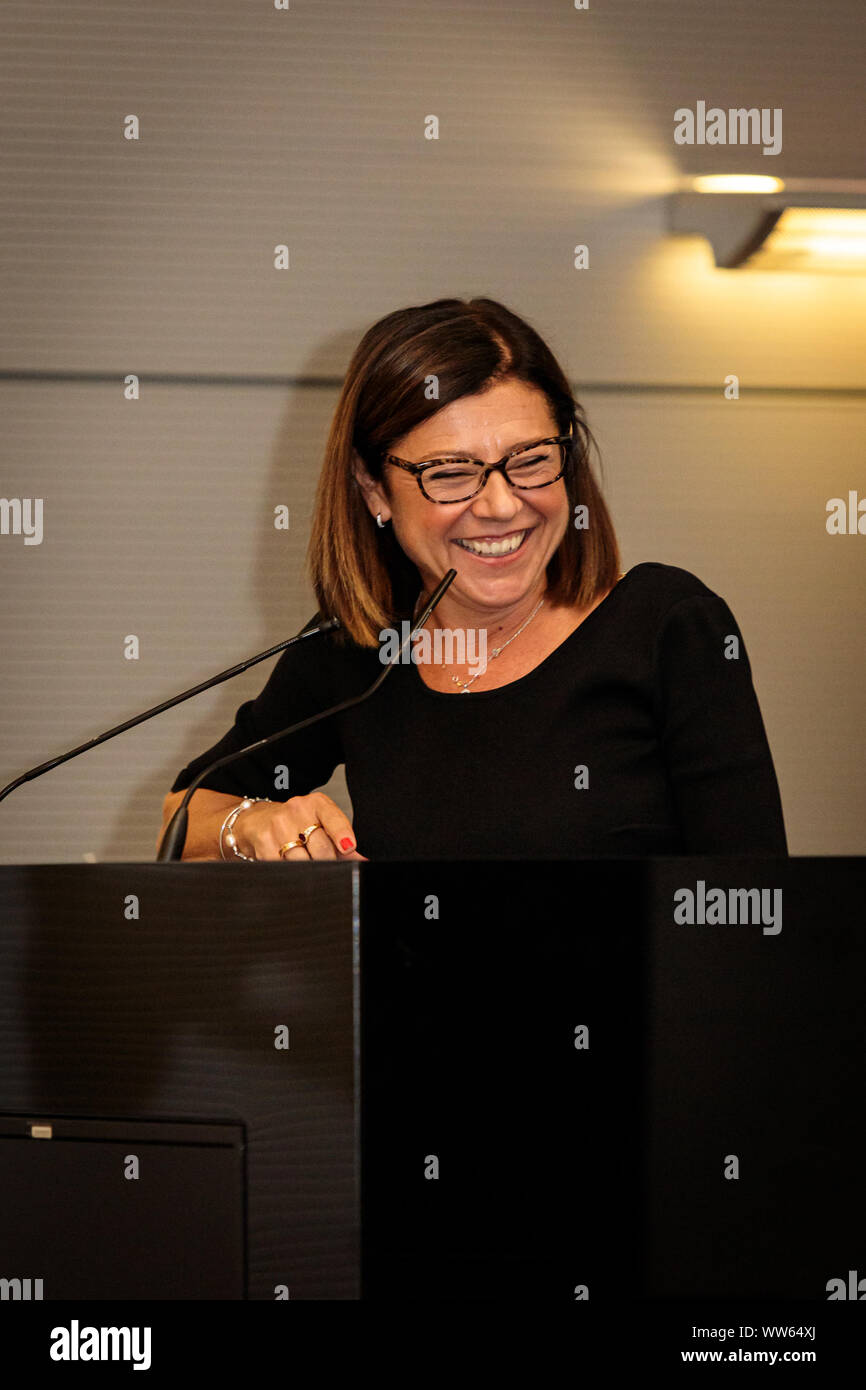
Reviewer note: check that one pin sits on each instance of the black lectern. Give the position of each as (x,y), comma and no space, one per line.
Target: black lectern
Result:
(618,1079)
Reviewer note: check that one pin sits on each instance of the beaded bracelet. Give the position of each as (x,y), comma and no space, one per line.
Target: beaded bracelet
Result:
(229,822)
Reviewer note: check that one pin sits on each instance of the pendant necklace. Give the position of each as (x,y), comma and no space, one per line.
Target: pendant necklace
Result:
(464,685)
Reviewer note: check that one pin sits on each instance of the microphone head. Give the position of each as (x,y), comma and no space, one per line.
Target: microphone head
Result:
(318,624)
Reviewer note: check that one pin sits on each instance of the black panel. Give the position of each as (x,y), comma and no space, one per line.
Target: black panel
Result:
(758,1051)
(170,1018)
(91,1224)
(469,1055)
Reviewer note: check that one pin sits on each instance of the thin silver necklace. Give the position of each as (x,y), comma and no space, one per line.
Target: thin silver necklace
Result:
(464,685)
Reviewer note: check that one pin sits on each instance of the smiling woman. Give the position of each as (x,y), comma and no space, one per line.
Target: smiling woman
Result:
(613,713)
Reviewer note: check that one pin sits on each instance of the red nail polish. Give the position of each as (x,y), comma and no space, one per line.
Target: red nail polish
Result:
(346,843)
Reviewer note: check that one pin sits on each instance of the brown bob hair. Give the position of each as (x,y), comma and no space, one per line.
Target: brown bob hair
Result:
(359,573)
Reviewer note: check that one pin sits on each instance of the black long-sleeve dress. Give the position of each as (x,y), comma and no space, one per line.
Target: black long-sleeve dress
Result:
(640,734)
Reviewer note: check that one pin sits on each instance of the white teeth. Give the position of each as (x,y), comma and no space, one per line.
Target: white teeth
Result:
(503,547)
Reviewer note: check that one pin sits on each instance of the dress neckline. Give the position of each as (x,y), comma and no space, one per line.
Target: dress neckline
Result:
(530,675)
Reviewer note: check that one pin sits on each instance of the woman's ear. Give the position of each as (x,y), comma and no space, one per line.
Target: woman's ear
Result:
(374,494)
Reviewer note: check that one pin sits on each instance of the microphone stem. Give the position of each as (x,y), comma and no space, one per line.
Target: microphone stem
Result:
(158,709)
(173,840)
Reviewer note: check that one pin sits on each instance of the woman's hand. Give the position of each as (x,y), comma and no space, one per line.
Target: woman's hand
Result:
(262,830)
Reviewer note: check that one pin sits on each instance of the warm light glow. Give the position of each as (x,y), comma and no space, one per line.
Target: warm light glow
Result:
(831,239)
(737,183)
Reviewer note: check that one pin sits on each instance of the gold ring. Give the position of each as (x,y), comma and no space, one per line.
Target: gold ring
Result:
(303,837)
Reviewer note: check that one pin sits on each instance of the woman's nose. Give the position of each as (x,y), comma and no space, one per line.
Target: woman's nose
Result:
(497,497)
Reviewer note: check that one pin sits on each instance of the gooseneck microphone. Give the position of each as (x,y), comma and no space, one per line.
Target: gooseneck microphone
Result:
(325,626)
(174,839)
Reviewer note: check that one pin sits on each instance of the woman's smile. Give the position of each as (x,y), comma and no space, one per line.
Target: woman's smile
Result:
(495,549)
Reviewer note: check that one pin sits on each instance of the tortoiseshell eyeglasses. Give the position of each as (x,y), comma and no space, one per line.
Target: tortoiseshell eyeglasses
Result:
(457,478)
